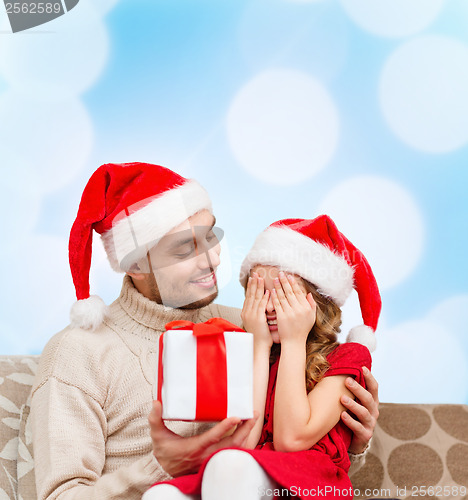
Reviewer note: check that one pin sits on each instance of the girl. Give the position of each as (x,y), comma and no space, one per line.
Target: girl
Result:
(297,275)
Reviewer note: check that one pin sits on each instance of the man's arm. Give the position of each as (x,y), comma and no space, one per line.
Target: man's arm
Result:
(69,430)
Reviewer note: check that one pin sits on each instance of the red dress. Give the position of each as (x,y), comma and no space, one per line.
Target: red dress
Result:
(321,470)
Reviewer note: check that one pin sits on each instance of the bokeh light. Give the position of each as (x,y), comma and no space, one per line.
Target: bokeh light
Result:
(423,93)
(383,221)
(283,127)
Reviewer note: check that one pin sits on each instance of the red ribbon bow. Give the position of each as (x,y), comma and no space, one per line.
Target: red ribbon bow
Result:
(211,365)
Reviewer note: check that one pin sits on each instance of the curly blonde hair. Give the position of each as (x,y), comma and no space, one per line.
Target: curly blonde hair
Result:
(322,339)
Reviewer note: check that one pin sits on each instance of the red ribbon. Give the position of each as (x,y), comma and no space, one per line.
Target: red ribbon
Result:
(211,365)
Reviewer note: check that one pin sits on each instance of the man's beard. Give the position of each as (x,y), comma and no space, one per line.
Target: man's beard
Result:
(198,304)
(178,301)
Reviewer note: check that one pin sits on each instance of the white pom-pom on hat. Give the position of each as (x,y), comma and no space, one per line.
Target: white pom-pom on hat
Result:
(88,313)
(364,335)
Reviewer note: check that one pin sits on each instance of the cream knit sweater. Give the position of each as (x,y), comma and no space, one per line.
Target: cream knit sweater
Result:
(92,397)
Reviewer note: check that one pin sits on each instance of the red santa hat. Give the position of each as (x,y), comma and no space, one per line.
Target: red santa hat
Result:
(316,251)
(131,205)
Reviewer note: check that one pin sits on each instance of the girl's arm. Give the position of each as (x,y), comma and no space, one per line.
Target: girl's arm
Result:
(261,373)
(254,321)
(300,420)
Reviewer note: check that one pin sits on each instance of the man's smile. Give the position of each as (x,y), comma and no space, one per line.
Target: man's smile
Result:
(207,281)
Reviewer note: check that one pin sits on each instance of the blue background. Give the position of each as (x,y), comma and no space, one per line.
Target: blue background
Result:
(174,82)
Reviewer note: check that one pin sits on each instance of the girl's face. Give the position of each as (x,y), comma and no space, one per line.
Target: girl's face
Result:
(269,273)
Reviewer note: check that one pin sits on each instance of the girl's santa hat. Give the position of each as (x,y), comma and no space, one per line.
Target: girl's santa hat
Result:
(316,251)
(131,205)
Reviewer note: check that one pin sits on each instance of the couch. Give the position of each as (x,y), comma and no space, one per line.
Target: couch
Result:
(417,450)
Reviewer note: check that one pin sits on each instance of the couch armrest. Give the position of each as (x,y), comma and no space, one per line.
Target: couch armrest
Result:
(16,461)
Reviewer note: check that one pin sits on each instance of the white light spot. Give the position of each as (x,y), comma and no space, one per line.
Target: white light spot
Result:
(393,18)
(283,127)
(382,220)
(453,313)
(44,145)
(407,364)
(423,93)
(39,274)
(57,60)
(20,211)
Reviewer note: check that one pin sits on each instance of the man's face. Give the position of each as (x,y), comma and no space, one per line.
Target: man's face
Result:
(184,263)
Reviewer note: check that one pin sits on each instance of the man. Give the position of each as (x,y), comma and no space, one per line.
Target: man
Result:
(95,384)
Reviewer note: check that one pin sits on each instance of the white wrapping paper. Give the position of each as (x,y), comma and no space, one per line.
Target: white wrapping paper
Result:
(179,389)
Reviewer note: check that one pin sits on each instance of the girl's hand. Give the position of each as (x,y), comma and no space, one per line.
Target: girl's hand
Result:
(295,311)
(253,311)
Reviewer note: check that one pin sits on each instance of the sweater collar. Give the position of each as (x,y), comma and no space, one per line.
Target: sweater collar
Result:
(151,314)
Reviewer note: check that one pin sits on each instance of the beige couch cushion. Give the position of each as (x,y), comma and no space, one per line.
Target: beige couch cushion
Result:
(417,450)
(16,459)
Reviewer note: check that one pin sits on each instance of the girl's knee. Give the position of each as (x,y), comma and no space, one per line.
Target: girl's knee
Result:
(234,474)
(164,492)
(232,461)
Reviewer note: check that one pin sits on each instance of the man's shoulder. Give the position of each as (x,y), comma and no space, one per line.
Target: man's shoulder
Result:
(78,340)
(231,314)
(75,352)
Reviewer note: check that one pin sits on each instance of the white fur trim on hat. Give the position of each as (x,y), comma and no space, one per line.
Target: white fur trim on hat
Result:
(137,232)
(364,335)
(88,313)
(298,254)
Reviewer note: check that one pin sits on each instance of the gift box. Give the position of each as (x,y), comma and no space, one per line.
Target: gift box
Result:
(205,371)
